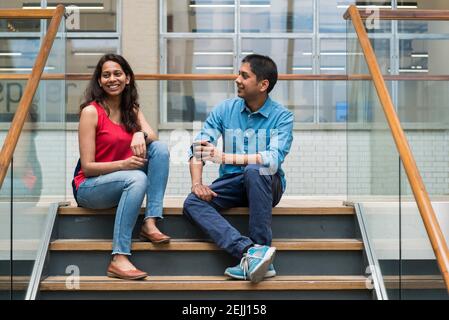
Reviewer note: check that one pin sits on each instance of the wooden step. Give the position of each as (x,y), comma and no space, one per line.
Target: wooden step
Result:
(177,211)
(208,283)
(201,245)
(20,283)
(422,282)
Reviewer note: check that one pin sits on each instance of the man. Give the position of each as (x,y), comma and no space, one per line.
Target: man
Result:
(257,136)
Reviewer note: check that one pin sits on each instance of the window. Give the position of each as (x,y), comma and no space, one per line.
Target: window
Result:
(97,33)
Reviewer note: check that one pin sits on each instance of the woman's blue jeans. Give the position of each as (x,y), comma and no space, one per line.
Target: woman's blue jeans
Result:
(126,189)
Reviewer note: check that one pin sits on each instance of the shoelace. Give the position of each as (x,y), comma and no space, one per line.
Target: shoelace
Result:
(244,263)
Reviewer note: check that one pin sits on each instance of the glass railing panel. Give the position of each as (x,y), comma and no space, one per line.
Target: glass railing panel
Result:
(39,164)
(5,230)
(373,165)
(424,114)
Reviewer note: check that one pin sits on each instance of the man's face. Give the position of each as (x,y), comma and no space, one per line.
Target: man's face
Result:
(247,85)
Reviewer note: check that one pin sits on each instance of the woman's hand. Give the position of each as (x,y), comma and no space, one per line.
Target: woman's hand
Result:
(133,163)
(203,192)
(138,145)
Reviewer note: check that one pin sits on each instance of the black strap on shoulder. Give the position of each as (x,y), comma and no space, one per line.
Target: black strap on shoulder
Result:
(75,173)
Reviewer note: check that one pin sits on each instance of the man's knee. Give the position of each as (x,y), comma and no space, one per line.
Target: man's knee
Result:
(252,170)
(189,202)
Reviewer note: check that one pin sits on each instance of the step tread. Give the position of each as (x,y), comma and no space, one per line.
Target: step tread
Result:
(415,282)
(201,245)
(177,211)
(208,283)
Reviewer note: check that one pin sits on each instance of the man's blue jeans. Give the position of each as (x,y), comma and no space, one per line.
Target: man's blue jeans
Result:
(250,189)
(127,189)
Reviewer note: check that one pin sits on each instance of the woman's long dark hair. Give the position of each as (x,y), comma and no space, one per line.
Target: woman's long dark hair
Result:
(129,105)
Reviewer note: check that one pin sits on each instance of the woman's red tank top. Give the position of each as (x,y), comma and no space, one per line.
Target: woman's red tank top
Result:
(112,142)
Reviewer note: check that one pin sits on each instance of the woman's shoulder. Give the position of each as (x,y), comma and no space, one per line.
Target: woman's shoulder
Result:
(90,113)
(90,109)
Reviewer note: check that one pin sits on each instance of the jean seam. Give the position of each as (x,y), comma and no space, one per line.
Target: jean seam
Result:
(119,252)
(121,215)
(95,184)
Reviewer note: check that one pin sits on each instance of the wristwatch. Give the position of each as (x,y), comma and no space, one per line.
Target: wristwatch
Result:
(145,135)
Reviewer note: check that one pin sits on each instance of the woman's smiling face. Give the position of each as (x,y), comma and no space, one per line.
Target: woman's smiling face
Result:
(113,79)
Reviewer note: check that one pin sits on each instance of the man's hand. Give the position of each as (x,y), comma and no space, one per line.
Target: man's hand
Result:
(203,192)
(206,151)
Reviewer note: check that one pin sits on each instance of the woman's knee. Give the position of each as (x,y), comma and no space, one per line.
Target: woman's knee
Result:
(136,179)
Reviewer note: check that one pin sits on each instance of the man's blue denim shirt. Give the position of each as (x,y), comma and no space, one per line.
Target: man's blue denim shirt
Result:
(267,132)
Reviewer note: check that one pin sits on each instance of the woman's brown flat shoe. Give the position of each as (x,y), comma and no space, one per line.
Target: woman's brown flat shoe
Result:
(154,237)
(114,272)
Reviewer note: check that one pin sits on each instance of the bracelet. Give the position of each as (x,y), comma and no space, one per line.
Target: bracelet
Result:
(145,135)
(196,184)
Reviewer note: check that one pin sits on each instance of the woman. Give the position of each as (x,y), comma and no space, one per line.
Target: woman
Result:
(120,161)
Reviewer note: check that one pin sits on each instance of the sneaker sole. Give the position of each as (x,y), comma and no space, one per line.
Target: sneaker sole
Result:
(258,273)
(235,276)
(268,274)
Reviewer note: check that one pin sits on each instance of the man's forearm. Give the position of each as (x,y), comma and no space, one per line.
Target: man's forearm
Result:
(242,159)
(196,171)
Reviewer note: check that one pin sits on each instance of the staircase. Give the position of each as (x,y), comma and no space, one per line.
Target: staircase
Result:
(319,256)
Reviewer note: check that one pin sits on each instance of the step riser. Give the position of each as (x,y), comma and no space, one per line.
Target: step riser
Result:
(203,263)
(283,227)
(409,294)
(202,295)
(409,267)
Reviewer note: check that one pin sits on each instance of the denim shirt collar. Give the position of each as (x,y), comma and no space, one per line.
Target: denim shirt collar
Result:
(264,111)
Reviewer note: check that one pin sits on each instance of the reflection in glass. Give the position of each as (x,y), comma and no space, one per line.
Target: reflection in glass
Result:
(192,100)
(98,16)
(333,56)
(200,56)
(18,55)
(18,25)
(428,57)
(75,95)
(298,97)
(290,55)
(200,16)
(423,26)
(276,16)
(83,54)
(423,102)
(332,11)
(333,104)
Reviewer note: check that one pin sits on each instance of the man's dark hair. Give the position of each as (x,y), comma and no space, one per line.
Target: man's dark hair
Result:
(264,68)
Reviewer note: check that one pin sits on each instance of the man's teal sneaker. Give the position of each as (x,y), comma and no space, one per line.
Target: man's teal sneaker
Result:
(255,265)
(270,272)
(237,272)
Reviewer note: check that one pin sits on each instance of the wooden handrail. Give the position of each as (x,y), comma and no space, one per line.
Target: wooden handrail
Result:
(25,102)
(87,76)
(431,224)
(27,14)
(297,77)
(402,14)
